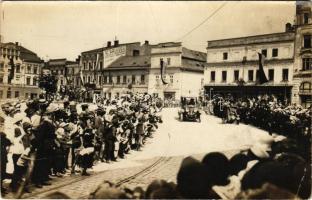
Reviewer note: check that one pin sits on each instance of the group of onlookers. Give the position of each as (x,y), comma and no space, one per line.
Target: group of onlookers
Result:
(46,139)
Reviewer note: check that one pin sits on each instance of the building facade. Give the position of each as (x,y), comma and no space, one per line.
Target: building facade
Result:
(134,67)
(302,91)
(27,69)
(184,70)
(233,65)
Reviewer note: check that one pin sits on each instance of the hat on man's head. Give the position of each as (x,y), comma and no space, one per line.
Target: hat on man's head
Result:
(18,118)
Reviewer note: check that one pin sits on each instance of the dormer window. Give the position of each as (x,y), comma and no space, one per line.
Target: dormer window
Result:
(136,52)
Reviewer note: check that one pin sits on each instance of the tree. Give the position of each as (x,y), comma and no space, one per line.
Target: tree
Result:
(48,83)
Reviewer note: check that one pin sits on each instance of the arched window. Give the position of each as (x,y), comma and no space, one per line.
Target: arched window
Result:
(305,88)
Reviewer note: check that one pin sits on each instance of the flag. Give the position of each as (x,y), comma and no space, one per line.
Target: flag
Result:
(96,66)
(81,77)
(262,77)
(11,75)
(162,71)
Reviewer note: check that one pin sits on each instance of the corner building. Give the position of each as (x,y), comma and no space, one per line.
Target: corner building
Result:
(233,65)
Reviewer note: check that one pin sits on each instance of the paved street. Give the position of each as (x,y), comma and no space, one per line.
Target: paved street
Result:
(161,156)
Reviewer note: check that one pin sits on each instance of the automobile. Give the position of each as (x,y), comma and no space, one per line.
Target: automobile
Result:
(189,110)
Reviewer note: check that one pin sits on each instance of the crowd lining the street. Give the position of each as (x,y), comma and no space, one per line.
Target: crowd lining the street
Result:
(47,139)
(276,167)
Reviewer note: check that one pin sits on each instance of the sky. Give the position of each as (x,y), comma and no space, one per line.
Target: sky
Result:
(65,29)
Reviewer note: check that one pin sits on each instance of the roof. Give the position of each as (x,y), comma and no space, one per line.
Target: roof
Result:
(191,65)
(28,56)
(194,55)
(61,61)
(131,61)
(168,44)
(25,54)
(255,39)
(105,48)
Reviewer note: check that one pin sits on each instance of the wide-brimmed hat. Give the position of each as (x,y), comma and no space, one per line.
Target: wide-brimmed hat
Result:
(18,118)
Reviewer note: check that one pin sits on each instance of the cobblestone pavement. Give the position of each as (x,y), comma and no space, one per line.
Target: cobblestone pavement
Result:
(173,141)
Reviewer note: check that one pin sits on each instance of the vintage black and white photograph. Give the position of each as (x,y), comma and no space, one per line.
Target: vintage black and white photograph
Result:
(155,99)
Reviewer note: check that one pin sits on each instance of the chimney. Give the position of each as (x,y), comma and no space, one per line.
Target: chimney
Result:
(16,43)
(146,42)
(116,43)
(109,43)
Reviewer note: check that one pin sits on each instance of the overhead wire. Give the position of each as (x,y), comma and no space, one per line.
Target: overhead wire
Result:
(203,22)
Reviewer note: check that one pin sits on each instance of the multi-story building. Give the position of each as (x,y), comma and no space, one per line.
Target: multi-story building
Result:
(66,72)
(102,68)
(184,71)
(27,68)
(58,68)
(72,73)
(233,65)
(120,68)
(302,91)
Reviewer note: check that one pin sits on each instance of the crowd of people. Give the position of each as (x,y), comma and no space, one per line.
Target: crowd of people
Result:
(264,171)
(46,138)
(277,166)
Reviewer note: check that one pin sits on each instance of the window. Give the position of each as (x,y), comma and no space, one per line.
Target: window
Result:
(157,80)
(305,88)
(28,81)
(285,75)
(34,81)
(62,81)
(8,94)
(101,65)
(306,18)
(100,80)
(105,80)
(142,79)
(274,52)
(133,79)
(306,64)
(84,65)
(171,79)
(61,71)
(94,65)
(168,61)
(236,75)
(1,67)
(264,52)
(18,69)
(271,74)
(307,41)
(110,79)
(16,94)
(136,53)
(17,77)
(223,76)
(35,70)
(250,75)
(212,76)
(28,69)
(225,56)
(118,79)
(1,94)
(90,65)
(89,79)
